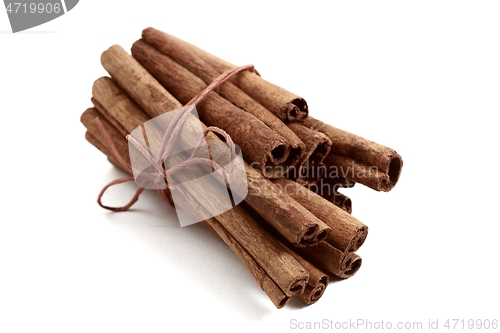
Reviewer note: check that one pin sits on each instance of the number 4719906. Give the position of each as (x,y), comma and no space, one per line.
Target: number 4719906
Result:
(48,8)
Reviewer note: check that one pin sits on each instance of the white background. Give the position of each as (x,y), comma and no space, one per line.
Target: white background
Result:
(422,77)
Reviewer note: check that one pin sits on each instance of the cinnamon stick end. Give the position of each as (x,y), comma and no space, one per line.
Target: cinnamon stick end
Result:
(350,266)
(283,302)
(395,167)
(296,110)
(360,239)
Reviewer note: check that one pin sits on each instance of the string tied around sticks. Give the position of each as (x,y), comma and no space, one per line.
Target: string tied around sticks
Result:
(167,142)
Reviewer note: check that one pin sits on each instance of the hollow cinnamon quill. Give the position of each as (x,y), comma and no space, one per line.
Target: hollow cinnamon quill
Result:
(318,280)
(323,255)
(347,233)
(331,260)
(361,160)
(310,167)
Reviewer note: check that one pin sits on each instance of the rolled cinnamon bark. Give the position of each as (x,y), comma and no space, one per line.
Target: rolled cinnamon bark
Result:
(342,201)
(299,226)
(119,105)
(261,146)
(284,270)
(318,145)
(277,296)
(318,280)
(323,255)
(331,260)
(311,167)
(181,55)
(328,188)
(108,117)
(351,169)
(284,104)
(87,119)
(347,233)
(364,153)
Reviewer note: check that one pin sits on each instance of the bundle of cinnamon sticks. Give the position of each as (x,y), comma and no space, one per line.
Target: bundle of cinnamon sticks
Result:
(294,229)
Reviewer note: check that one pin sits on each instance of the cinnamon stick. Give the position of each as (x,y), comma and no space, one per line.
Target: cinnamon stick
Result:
(342,201)
(299,226)
(184,57)
(363,155)
(311,167)
(332,260)
(264,148)
(318,280)
(323,255)
(328,188)
(108,117)
(358,172)
(347,233)
(87,119)
(277,296)
(284,270)
(119,105)
(284,104)
(318,145)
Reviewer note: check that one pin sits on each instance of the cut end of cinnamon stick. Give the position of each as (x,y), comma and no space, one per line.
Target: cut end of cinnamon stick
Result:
(321,151)
(314,235)
(342,201)
(360,239)
(370,176)
(286,299)
(350,265)
(298,287)
(317,293)
(313,293)
(296,110)
(395,167)
(317,147)
(278,161)
(296,153)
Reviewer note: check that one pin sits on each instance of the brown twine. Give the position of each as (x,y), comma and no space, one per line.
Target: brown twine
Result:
(166,145)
